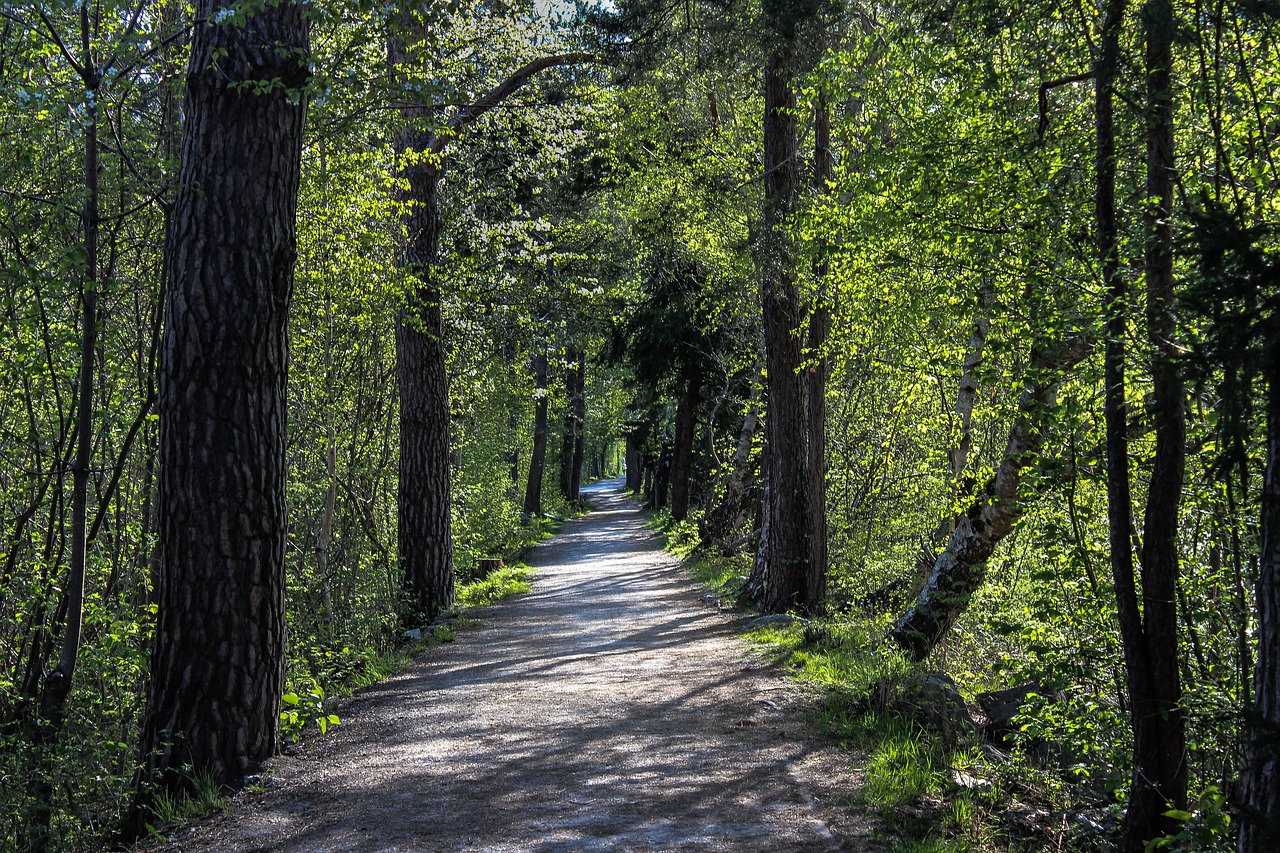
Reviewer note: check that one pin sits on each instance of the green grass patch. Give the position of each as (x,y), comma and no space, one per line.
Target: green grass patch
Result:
(502,583)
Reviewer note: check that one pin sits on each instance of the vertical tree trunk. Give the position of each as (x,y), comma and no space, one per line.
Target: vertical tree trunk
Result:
(1160,771)
(218,662)
(579,425)
(682,455)
(782,577)
(424,511)
(1260,827)
(633,464)
(538,455)
(424,514)
(819,329)
(568,431)
(57,685)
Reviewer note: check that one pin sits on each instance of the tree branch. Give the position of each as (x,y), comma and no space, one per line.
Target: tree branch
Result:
(468,114)
(1042,99)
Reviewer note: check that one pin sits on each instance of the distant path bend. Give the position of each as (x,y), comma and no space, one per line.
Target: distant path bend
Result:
(608,709)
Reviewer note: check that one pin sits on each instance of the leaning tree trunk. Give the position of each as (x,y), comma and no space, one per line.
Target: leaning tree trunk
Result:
(682,455)
(538,455)
(218,661)
(1260,827)
(781,577)
(961,568)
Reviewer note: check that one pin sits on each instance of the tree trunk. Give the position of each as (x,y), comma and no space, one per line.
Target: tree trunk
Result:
(579,426)
(568,432)
(961,568)
(218,661)
(424,515)
(538,455)
(682,455)
(1150,636)
(57,685)
(1260,825)
(782,577)
(662,477)
(633,464)
(819,329)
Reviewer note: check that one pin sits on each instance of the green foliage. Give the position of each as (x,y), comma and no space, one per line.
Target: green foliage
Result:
(302,707)
(499,584)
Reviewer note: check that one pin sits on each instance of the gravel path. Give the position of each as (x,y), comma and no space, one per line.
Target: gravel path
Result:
(608,709)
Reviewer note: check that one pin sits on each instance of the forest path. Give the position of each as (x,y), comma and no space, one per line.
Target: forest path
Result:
(608,709)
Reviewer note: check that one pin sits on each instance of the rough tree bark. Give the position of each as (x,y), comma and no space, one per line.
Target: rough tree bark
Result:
(538,455)
(961,568)
(780,579)
(424,502)
(218,661)
(682,449)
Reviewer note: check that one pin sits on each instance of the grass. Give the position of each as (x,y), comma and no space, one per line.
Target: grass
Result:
(502,583)
(169,811)
(910,772)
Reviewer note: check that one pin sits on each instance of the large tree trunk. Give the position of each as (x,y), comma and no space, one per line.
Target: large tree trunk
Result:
(961,568)
(1260,827)
(538,455)
(218,662)
(682,452)
(424,515)
(782,576)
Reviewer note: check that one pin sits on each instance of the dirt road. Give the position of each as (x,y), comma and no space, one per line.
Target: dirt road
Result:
(608,709)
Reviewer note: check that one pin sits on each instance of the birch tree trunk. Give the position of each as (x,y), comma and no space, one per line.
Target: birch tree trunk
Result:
(961,568)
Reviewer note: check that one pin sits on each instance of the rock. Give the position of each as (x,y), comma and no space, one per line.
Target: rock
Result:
(934,701)
(1000,707)
(413,634)
(973,783)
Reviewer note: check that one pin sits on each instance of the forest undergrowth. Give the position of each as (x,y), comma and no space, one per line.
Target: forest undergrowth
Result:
(939,775)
